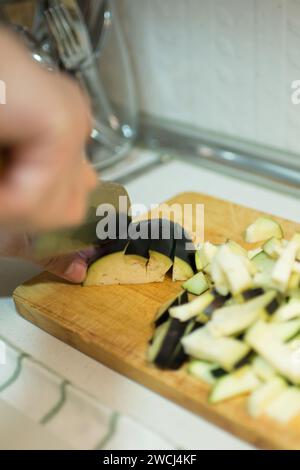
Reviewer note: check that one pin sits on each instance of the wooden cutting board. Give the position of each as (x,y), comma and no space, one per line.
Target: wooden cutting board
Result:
(113,325)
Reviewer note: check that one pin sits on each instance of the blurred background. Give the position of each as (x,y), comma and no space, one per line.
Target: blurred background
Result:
(220,70)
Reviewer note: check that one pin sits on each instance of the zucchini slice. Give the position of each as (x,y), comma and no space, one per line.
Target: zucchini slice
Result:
(262,229)
(226,352)
(286,406)
(240,382)
(262,397)
(268,344)
(196,284)
(234,319)
(202,370)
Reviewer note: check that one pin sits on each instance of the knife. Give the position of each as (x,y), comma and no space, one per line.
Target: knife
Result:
(107,218)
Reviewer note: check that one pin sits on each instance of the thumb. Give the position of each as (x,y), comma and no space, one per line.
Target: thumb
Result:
(71,267)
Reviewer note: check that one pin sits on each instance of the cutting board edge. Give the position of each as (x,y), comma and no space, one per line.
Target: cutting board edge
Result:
(204,410)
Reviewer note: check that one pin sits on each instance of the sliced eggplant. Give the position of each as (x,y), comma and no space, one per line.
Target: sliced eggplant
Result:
(270,345)
(218,277)
(285,406)
(235,269)
(197,284)
(165,349)
(157,340)
(162,314)
(179,356)
(172,337)
(294,281)
(263,396)
(146,259)
(287,311)
(202,307)
(204,255)
(235,319)
(217,302)
(161,246)
(263,369)
(262,229)
(226,352)
(284,265)
(203,370)
(240,382)
(191,309)
(138,250)
(273,247)
(252,253)
(249,294)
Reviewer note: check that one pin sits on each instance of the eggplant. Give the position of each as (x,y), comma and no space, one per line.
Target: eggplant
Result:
(240,382)
(184,265)
(163,312)
(146,259)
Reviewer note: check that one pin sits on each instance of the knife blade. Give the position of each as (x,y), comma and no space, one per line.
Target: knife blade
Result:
(108,203)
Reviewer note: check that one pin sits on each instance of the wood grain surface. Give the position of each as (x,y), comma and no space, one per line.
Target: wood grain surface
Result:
(112,324)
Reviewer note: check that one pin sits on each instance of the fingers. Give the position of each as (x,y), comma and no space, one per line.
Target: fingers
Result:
(71,267)
(45,182)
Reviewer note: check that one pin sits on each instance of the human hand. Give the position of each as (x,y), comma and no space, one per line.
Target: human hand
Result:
(43,127)
(71,267)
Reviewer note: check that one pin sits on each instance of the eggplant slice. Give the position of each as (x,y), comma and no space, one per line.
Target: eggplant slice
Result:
(146,259)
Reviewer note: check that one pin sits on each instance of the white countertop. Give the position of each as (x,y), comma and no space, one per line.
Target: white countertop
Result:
(178,426)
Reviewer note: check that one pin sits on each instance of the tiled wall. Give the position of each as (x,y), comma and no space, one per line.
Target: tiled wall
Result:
(224,65)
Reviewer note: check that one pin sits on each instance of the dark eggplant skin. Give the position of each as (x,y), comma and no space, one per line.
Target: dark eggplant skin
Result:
(251,293)
(218,302)
(187,255)
(163,312)
(178,360)
(169,247)
(165,246)
(109,248)
(272,306)
(245,360)
(140,246)
(179,357)
(218,372)
(170,342)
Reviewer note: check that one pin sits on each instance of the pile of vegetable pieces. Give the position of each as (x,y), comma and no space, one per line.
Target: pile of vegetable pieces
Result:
(236,325)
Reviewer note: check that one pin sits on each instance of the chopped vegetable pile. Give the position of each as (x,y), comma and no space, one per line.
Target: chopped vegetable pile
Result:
(237,322)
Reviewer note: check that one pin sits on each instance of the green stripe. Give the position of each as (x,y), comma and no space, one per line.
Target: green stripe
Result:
(15,373)
(58,406)
(112,427)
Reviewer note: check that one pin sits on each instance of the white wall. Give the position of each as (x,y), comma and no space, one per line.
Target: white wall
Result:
(224,65)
